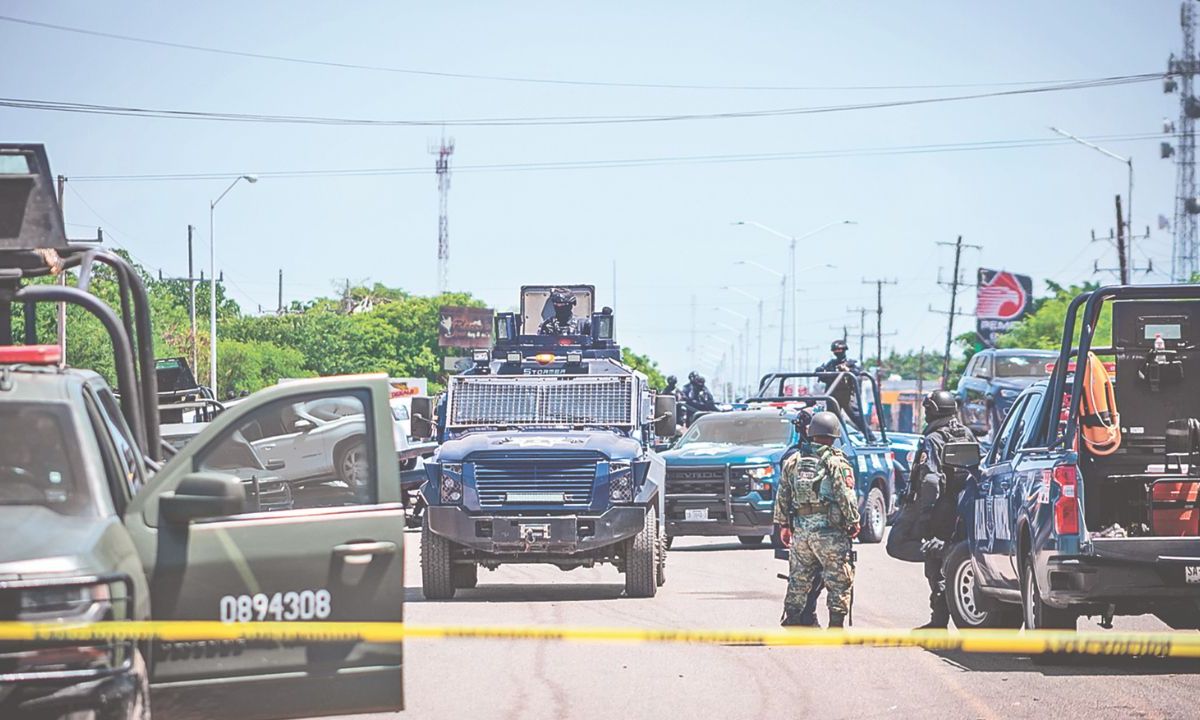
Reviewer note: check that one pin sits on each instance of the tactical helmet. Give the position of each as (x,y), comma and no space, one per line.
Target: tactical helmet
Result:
(692,376)
(939,404)
(671,379)
(824,424)
(561,296)
(699,379)
(838,346)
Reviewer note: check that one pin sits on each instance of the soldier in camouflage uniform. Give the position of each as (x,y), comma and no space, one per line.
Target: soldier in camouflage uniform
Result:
(564,322)
(817,514)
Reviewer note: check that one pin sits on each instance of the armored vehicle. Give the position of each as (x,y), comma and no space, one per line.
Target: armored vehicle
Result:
(102,520)
(546,456)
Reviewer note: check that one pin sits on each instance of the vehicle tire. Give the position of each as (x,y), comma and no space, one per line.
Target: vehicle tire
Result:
(138,707)
(753,540)
(661,576)
(354,467)
(464,577)
(1036,614)
(641,561)
(968,608)
(437,581)
(874,521)
(670,541)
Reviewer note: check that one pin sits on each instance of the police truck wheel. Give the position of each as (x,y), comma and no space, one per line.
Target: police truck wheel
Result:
(464,576)
(874,517)
(437,580)
(968,608)
(641,559)
(754,540)
(661,576)
(138,707)
(1038,615)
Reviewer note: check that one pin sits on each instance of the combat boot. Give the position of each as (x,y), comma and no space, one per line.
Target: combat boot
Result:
(837,620)
(792,617)
(937,621)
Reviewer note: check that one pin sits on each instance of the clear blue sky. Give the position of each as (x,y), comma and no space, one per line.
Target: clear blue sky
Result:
(666,226)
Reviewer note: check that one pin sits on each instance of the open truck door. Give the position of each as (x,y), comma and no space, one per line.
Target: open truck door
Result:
(336,554)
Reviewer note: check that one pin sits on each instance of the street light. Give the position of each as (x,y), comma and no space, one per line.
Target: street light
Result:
(212,280)
(746,380)
(758,300)
(1128,197)
(793,239)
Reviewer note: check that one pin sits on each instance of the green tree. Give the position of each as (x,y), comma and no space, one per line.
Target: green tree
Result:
(645,365)
(245,367)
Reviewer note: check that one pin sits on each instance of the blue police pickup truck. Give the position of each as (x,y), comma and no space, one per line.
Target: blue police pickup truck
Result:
(1086,503)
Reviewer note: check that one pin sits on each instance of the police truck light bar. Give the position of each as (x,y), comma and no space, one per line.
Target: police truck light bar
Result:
(30,355)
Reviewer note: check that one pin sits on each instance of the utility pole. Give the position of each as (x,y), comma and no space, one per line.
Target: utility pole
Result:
(191,280)
(920,390)
(693,345)
(955,283)
(862,330)
(1126,264)
(879,315)
(280,310)
(62,280)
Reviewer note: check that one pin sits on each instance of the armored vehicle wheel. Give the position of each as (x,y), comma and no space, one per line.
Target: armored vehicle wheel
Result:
(641,559)
(661,575)
(750,539)
(464,576)
(874,520)
(437,581)
(968,608)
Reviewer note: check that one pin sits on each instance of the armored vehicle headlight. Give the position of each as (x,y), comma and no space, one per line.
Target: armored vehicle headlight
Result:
(450,489)
(620,481)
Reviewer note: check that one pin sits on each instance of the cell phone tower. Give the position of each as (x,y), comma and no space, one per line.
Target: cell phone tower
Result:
(443,151)
(1181,73)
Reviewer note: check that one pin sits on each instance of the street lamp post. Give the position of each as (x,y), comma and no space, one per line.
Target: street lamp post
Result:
(1128,196)
(758,300)
(782,300)
(792,240)
(737,366)
(745,377)
(212,281)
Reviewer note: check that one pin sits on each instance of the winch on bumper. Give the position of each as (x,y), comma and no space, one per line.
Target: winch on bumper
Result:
(552,535)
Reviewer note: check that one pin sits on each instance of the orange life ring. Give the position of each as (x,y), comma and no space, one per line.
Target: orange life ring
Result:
(1099,421)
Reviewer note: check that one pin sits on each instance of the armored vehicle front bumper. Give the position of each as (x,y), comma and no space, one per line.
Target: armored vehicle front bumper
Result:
(528,534)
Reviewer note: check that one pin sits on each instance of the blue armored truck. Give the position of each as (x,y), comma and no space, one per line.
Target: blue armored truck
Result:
(546,455)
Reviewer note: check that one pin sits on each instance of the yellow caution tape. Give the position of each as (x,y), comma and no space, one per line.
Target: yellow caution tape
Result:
(1166,644)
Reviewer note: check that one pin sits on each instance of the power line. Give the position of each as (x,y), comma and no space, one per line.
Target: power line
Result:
(627,162)
(550,120)
(507,78)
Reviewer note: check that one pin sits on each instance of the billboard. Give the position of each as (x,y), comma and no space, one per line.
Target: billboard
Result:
(1002,299)
(465,327)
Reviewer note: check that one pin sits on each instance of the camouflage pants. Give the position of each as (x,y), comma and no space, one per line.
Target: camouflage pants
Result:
(817,553)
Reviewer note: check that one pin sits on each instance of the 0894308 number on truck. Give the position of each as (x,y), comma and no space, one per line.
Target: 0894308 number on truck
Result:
(102,520)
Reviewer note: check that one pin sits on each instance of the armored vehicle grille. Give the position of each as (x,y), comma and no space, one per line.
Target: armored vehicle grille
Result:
(564,483)
(547,401)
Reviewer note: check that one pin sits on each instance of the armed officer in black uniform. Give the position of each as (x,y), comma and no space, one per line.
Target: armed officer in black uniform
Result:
(934,487)
(563,321)
(844,388)
(698,397)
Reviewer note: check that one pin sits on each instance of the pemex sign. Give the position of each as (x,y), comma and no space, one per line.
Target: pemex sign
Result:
(1002,299)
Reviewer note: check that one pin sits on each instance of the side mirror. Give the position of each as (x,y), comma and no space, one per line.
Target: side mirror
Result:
(303,425)
(203,495)
(961,454)
(422,418)
(275,464)
(664,416)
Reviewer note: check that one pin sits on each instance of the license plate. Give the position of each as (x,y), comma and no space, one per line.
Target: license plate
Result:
(1191,574)
(702,514)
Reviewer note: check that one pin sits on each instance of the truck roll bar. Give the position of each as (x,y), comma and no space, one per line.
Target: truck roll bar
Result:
(771,378)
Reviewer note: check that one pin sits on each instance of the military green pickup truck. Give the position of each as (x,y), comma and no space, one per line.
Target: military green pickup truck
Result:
(102,520)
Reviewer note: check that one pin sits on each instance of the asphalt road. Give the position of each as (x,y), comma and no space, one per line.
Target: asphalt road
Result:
(717,584)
